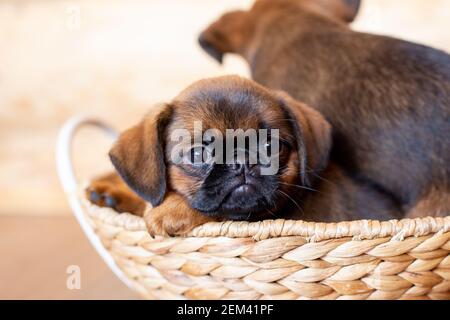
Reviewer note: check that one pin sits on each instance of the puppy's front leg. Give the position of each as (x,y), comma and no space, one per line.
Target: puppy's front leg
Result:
(174,217)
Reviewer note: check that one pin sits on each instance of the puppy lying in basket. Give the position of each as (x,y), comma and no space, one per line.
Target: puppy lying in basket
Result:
(193,188)
(387,100)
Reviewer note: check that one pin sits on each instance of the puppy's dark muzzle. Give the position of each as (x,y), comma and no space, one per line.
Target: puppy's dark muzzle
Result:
(209,47)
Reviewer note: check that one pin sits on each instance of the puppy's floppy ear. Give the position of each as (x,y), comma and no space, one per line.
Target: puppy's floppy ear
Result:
(313,136)
(212,46)
(346,10)
(138,155)
(229,34)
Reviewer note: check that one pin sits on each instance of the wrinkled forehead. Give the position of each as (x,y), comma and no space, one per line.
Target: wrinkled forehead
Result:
(223,109)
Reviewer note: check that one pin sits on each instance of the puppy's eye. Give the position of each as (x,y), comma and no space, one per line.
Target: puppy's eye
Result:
(198,156)
(268,148)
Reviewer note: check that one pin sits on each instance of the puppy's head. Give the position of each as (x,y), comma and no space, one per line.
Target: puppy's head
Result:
(185,147)
(234,31)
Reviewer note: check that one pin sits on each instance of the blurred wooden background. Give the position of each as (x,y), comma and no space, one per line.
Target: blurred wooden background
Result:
(114,59)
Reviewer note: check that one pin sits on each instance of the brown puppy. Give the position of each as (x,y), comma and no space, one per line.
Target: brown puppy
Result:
(387,100)
(186,194)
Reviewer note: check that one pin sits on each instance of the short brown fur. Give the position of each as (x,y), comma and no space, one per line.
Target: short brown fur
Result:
(136,158)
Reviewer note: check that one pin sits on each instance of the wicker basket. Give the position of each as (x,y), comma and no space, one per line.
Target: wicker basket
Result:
(276,259)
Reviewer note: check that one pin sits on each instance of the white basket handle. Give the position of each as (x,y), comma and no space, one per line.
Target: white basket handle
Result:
(64,149)
(71,186)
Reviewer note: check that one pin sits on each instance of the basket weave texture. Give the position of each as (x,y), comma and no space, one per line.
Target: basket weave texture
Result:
(280,259)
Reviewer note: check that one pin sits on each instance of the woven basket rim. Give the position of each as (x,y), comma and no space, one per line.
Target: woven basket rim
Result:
(314,231)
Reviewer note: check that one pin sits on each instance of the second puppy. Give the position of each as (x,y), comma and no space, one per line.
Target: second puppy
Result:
(195,190)
(388,100)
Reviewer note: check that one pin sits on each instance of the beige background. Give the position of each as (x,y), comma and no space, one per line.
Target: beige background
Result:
(114,59)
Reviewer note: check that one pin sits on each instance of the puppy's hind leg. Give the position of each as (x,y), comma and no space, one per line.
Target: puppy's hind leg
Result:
(110,191)
(436,203)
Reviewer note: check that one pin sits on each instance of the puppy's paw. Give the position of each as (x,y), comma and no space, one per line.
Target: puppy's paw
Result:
(111,192)
(161,225)
(102,196)
(163,221)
